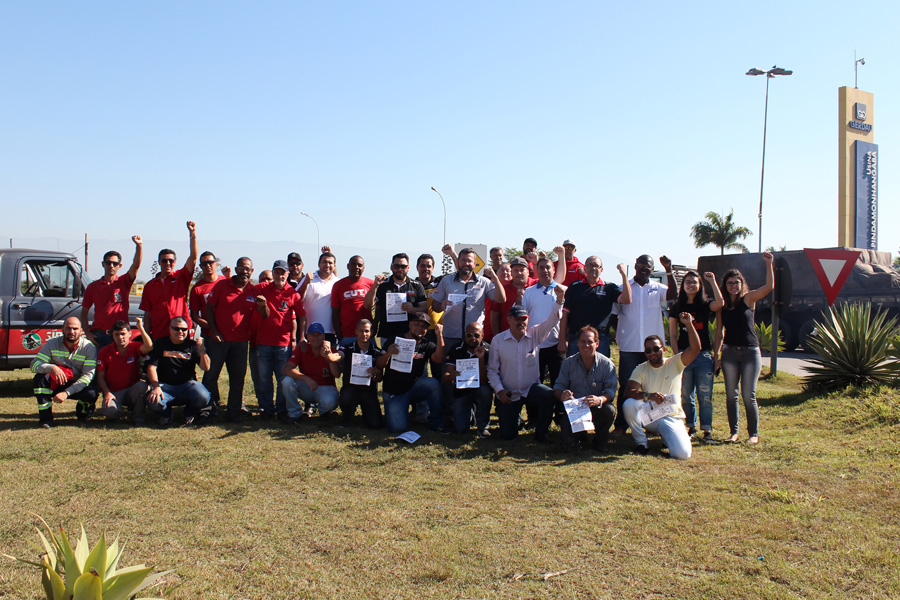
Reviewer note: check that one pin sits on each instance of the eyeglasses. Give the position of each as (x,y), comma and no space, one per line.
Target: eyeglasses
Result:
(110,263)
(734,282)
(179,329)
(653,350)
(295,264)
(206,263)
(399,266)
(167,261)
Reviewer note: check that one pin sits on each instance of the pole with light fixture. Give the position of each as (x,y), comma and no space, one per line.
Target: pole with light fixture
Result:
(771,73)
(318,241)
(445,262)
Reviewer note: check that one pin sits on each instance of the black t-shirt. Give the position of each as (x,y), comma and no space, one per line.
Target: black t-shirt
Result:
(175,363)
(590,304)
(415,293)
(702,314)
(462,351)
(396,382)
(348,351)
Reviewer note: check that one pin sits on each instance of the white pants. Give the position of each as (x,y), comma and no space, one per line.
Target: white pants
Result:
(671,429)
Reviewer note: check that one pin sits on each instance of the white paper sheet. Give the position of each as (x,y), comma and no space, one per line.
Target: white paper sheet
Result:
(359,365)
(579,415)
(393,302)
(456,298)
(651,411)
(408,436)
(402,362)
(469,373)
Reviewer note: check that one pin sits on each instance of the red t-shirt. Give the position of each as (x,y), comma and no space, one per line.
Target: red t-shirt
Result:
(350,296)
(166,298)
(512,292)
(120,369)
(233,307)
(199,294)
(574,271)
(110,301)
(284,305)
(312,365)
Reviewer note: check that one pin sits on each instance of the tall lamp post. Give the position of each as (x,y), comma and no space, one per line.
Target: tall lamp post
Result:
(445,262)
(318,244)
(771,73)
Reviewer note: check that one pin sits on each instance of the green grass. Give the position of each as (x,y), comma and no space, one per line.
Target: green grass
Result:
(252,511)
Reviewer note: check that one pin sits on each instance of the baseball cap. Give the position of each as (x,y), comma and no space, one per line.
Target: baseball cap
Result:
(281,264)
(315,328)
(517,310)
(294,256)
(518,262)
(569,243)
(420,317)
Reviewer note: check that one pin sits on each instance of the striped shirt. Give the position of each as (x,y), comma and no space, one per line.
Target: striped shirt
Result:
(82,360)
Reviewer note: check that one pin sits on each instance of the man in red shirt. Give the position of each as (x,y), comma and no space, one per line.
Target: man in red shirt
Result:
(348,298)
(310,376)
(201,289)
(109,295)
(166,295)
(228,312)
(574,267)
(279,308)
(119,373)
(520,280)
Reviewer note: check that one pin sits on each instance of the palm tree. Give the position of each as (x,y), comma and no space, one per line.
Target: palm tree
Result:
(719,232)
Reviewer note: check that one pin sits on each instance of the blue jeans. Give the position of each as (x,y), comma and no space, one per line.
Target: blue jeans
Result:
(271,361)
(627,362)
(741,365)
(670,429)
(697,386)
(325,396)
(603,348)
(233,356)
(480,399)
(192,395)
(396,406)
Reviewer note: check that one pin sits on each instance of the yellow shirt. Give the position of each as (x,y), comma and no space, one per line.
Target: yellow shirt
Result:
(664,380)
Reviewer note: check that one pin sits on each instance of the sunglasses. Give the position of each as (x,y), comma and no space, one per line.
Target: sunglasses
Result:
(167,261)
(206,263)
(111,263)
(653,350)
(399,266)
(180,329)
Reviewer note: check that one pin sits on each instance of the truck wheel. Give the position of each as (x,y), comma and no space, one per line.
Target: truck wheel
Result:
(805,331)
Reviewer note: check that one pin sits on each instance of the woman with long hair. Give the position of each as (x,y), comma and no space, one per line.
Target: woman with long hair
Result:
(740,357)
(697,378)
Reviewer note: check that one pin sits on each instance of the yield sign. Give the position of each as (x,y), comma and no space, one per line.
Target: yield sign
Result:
(832,267)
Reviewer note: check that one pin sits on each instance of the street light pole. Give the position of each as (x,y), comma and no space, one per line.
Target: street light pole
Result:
(318,241)
(762,175)
(445,262)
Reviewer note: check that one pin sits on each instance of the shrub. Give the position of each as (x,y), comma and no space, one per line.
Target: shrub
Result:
(764,333)
(85,573)
(853,347)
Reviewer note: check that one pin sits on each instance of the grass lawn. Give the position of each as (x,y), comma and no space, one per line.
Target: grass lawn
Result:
(270,511)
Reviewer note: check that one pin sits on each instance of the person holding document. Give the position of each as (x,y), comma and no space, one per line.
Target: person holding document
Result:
(655,386)
(396,300)
(405,382)
(466,371)
(589,377)
(361,377)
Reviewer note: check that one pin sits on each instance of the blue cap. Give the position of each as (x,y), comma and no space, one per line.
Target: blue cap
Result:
(315,328)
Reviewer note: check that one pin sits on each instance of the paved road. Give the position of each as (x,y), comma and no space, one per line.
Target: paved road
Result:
(790,362)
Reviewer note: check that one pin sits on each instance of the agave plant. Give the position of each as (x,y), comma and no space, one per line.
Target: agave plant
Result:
(853,348)
(82,573)
(764,334)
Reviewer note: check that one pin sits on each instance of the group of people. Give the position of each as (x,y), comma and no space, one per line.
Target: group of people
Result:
(532,333)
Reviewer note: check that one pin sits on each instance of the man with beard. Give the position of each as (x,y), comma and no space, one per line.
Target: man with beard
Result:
(310,376)
(401,390)
(399,283)
(652,382)
(295,264)
(513,371)
(166,295)
(316,293)
(469,291)
(574,267)
(229,310)
(64,368)
(360,393)
(109,295)
(348,299)
(467,399)
(200,292)
(119,374)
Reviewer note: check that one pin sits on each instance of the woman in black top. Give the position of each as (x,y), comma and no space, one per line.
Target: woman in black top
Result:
(740,357)
(697,378)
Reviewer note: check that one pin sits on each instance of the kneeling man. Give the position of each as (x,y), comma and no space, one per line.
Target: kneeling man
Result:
(119,373)
(64,369)
(172,375)
(652,382)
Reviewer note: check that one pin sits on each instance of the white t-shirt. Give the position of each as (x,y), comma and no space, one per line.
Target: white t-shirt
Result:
(317,302)
(642,318)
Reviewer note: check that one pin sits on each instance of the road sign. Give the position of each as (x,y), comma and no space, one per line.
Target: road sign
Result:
(832,267)
(480,252)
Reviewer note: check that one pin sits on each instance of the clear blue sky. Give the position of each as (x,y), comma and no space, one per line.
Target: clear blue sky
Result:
(618,125)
